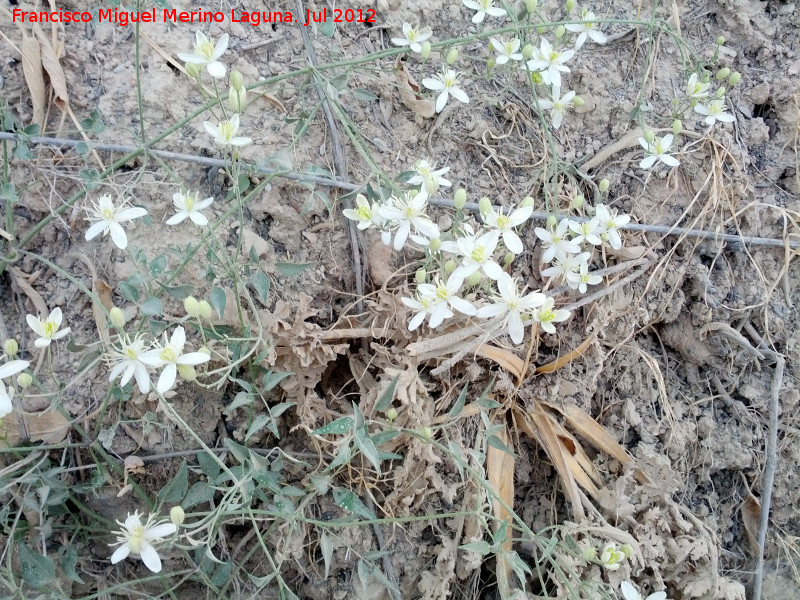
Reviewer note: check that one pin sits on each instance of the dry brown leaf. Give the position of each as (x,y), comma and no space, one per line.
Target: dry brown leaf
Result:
(751,518)
(567,358)
(52,65)
(34,76)
(409,92)
(500,468)
(573,447)
(48,427)
(592,431)
(510,362)
(21,281)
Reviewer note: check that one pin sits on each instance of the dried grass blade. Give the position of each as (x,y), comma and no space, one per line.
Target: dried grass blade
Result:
(34,76)
(510,362)
(500,469)
(52,65)
(567,358)
(592,431)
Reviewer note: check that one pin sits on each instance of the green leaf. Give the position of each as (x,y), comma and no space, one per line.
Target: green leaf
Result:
(175,489)
(217,300)
(83,149)
(241,399)
(37,570)
(243,183)
(382,437)
(289,269)
(199,493)
(158,265)
(240,453)
(340,426)
(368,449)
(130,293)
(272,378)
(177,291)
(343,457)
(326,547)
(328,28)
(260,283)
(222,574)
(32,129)
(363,95)
(480,547)
(283,504)
(459,404)
(495,442)
(69,560)
(349,501)
(152,307)
(387,396)
(277,410)
(257,425)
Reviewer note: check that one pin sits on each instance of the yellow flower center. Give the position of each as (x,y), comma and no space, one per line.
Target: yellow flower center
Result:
(441,292)
(546,315)
(226,130)
(49,329)
(206,50)
(130,353)
(108,214)
(364,213)
(412,35)
(168,354)
(554,55)
(502,221)
(478,254)
(189,201)
(136,539)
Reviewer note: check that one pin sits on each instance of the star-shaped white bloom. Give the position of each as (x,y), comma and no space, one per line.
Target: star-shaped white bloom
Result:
(13,367)
(546,315)
(406,213)
(424,305)
(611,558)
(505,224)
(171,356)
(484,7)
(47,329)
(696,89)
(412,37)
(630,593)
(658,150)
(557,106)
(127,362)
(571,263)
(609,223)
(445,296)
(476,252)
(586,231)
(364,214)
(583,277)
(206,53)
(106,218)
(714,111)
(511,306)
(6,407)
(506,51)
(225,132)
(590,30)
(429,177)
(188,206)
(446,83)
(550,63)
(556,242)
(138,539)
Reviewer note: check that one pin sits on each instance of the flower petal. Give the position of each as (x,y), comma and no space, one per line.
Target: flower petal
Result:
(120,553)
(150,558)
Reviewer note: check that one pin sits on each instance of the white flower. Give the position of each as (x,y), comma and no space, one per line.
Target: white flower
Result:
(47,330)
(137,539)
(583,278)
(13,367)
(565,265)
(444,296)
(429,177)
(714,111)
(546,316)
(406,213)
(412,37)
(630,593)
(6,407)
(170,356)
(188,206)
(586,29)
(107,218)
(447,83)
(506,50)
(610,557)
(587,231)
(225,133)
(476,254)
(505,224)
(550,62)
(364,214)
(424,306)
(696,89)
(206,53)
(511,306)
(484,7)
(127,363)
(609,224)
(658,150)
(557,106)
(556,242)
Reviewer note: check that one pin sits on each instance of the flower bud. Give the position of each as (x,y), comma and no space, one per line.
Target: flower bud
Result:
(627,549)
(570,6)
(237,80)
(735,78)
(205,350)
(427,433)
(485,206)
(578,101)
(589,553)
(421,276)
(460,199)
(452,56)
(391,414)
(11,347)
(721,92)
(649,136)
(677,126)
(237,99)
(723,73)
(450,266)
(490,64)
(577,202)
(23,381)
(117,317)
(720,40)
(435,244)
(192,307)
(475,278)
(560,31)
(551,222)
(187,372)
(603,185)
(509,258)
(205,309)
(531,5)
(426,50)
(176,514)
(526,202)
(193,70)
(527,51)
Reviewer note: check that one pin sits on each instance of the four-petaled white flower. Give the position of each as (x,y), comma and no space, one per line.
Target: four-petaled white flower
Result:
(547,315)
(696,89)
(188,206)
(424,306)
(506,51)
(170,356)
(445,296)
(550,63)
(484,7)
(611,558)
(511,306)
(571,263)
(13,367)
(587,231)
(206,53)
(429,177)
(446,83)
(658,150)
(6,406)
(630,593)
(225,133)
(714,111)
(583,277)
(505,224)
(407,212)
(47,329)
(585,29)
(557,106)
(556,242)
(610,222)
(413,37)
(106,218)
(127,363)
(476,254)
(138,539)
(364,213)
